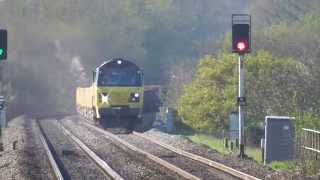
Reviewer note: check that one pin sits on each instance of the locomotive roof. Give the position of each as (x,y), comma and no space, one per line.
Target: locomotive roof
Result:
(113,61)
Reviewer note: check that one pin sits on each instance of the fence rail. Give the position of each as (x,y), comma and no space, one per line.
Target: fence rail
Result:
(311,140)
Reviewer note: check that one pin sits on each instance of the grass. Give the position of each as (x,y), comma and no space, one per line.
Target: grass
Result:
(310,167)
(218,145)
(212,142)
(288,166)
(255,153)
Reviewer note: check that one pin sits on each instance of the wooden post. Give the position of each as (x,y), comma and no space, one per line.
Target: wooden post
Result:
(1,144)
(226,145)
(231,145)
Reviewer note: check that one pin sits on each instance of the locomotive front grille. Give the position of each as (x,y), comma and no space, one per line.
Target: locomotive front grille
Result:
(119,98)
(119,107)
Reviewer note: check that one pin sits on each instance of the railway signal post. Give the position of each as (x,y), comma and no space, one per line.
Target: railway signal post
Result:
(241,44)
(3,56)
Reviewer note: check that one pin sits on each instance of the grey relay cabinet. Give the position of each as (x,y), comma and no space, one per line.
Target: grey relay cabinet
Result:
(279,139)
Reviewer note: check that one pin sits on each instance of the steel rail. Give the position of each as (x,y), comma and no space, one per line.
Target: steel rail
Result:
(101,163)
(154,158)
(203,160)
(52,161)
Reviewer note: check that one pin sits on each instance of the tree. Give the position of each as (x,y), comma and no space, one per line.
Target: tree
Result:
(270,90)
(156,35)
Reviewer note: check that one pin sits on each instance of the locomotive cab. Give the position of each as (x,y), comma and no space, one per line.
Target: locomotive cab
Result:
(118,90)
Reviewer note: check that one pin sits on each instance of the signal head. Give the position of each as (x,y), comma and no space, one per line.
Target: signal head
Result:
(3,44)
(241,38)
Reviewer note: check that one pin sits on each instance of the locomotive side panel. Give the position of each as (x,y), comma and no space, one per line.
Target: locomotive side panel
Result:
(84,99)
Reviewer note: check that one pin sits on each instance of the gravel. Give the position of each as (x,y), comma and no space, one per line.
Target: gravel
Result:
(23,156)
(76,164)
(198,169)
(127,163)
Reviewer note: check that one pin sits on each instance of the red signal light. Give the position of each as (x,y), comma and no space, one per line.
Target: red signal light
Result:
(241,47)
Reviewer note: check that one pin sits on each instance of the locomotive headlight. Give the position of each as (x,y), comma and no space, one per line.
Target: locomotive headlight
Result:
(105,98)
(134,97)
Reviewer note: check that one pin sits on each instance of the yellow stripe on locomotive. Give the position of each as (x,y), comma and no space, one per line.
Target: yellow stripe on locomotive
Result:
(119,101)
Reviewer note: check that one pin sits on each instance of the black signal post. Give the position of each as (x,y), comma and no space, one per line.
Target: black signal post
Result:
(241,44)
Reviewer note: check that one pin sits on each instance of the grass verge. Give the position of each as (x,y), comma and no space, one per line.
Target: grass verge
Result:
(218,145)
(288,166)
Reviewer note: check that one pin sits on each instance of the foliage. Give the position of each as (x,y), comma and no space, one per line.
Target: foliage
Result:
(308,167)
(282,74)
(207,102)
(154,33)
(266,13)
(298,40)
(46,35)
(305,120)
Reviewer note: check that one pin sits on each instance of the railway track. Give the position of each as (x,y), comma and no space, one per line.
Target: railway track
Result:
(69,157)
(153,158)
(172,163)
(185,164)
(221,167)
(130,162)
(54,165)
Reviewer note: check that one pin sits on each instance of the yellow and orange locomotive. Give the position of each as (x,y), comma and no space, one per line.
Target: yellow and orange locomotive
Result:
(117,90)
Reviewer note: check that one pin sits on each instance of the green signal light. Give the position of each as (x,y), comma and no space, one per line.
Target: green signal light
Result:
(3,44)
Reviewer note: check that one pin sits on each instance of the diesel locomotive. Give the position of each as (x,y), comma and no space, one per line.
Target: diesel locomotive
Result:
(117,91)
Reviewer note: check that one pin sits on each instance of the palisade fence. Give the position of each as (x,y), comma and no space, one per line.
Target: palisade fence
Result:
(311,140)
(308,144)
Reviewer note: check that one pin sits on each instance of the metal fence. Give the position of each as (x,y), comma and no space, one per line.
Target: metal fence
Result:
(311,140)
